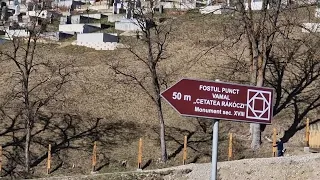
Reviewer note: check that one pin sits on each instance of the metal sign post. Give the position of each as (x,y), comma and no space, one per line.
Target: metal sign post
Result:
(220,101)
(215,137)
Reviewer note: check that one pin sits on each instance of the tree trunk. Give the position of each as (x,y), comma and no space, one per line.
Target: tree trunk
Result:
(157,99)
(29,118)
(256,128)
(27,146)
(256,136)
(253,48)
(253,81)
(164,155)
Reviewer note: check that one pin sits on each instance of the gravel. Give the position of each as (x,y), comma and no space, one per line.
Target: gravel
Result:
(303,167)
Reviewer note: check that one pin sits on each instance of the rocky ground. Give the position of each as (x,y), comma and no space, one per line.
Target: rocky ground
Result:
(300,167)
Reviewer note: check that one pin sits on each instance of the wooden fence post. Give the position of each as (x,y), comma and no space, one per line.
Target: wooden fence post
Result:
(274,141)
(230,147)
(94,156)
(307,132)
(140,154)
(49,159)
(184,150)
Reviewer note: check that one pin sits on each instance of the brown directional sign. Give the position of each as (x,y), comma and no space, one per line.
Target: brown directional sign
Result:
(211,99)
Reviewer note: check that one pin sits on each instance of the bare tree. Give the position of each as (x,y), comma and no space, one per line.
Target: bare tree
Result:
(294,73)
(153,41)
(30,93)
(261,31)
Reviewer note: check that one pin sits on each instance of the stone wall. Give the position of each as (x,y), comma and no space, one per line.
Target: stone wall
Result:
(17,33)
(127,25)
(115,17)
(217,9)
(184,5)
(94,16)
(40,13)
(98,45)
(78,28)
(55,36)
(96,37)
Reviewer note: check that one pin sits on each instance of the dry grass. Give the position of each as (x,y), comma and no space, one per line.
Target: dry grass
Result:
(95,92)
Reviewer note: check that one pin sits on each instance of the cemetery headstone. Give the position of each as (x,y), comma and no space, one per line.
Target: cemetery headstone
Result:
(16,2)
(3,4)
(138,4)
(4,13)
(16,10)
(161,9)
(29,6)
(20,18)
(115,9)
(209,2)
(129,10)
(128,14)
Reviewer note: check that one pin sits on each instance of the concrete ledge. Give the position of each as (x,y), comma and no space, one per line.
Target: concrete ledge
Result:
(311,27)
(79,28)
(98,46)
(94,16)
(178,5)
(127,25)
(115,17)
(16,33)
(256,6)
(218,9)
(96,38)
(99,7)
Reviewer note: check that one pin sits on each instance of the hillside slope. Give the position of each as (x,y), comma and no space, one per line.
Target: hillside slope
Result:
(125,113)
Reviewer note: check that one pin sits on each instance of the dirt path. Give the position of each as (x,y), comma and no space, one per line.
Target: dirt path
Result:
(303,167)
